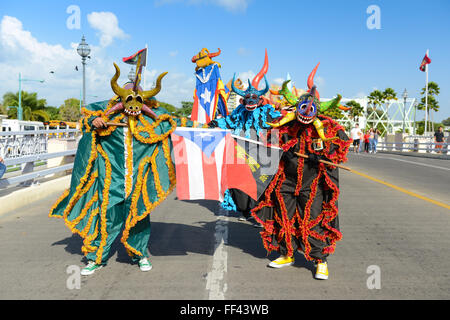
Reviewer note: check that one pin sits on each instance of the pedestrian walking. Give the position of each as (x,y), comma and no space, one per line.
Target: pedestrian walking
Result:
(356,134)
(366,141)
(376,135)
(439,139)
(371,140)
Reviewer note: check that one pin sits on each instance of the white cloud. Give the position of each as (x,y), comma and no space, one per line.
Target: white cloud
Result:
(319,82)
(108,26)
(243,52)
(175,87)
(173,53)
(278,81)
(21,52)
(245,76)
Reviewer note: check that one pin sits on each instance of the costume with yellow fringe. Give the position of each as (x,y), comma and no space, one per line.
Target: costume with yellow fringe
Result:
(299,208)
(121,173)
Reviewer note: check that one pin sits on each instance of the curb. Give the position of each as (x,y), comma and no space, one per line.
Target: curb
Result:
(420,155)
(27,195)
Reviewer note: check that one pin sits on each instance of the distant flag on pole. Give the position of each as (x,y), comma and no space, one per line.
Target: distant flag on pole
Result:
(135,57)
(426,60)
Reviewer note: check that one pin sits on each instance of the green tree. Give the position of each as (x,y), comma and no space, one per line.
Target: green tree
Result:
(389,94)
(433,104)
(376,98)
(334,113)
(70,110)
(33,108)
(446,122)
(53,112)
(167,106)
(185,110)
(356,109)
(2,109)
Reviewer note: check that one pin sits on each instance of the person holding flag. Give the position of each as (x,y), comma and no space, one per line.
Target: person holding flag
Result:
(250,119)
(299,209)
(210,95)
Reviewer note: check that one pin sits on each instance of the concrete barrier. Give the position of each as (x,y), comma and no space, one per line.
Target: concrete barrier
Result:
(25,196)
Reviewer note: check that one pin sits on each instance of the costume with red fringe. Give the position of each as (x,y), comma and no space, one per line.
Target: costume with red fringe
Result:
(299,210)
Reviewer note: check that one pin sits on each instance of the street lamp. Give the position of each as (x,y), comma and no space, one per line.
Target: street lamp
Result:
(87,96)
(132,75)
(405,96)
(83,50)
(19,107)
(415,108)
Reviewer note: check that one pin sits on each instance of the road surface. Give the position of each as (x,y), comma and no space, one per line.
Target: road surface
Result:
(201,252)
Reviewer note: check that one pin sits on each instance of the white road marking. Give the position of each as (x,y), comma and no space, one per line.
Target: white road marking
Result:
(412,162)
(215,282)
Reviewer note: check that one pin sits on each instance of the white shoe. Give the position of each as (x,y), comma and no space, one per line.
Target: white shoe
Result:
(145,265)
(90,268)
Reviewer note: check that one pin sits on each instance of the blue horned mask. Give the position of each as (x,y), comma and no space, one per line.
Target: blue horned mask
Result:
(306,109)
(251,97)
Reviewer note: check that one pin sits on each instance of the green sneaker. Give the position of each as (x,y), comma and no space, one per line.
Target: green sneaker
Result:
(90,268)
(145,265)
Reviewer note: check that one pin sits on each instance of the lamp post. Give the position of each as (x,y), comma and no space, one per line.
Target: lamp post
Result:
(405,96)
(19,108)
(83,50)
(415,108)
(132,74)
(87,96)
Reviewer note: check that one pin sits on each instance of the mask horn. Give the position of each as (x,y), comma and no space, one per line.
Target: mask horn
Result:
(114,86)
(290,116)
(287,94)
(156,90)
(310,81)
(214,54)
(236,90)
(266,89)
(259,76)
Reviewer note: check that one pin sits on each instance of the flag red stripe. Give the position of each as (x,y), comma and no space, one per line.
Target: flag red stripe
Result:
(210,177)
(194,113)
(236,173)
(181,167)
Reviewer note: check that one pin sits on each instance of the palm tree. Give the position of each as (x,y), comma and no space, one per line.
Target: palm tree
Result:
(376,97)
(356,110)
(33,108)
(433,104)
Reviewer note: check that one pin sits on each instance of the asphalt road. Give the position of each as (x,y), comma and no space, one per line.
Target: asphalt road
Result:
(201,252)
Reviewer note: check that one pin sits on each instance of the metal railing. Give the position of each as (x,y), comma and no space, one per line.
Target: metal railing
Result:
(23,149)
(414,146)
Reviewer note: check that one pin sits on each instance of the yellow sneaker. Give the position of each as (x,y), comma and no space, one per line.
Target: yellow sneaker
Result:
(281,262)
(322,271)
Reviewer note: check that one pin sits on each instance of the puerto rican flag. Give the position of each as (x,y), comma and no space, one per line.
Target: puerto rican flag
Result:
(209,95)
(210,161)
(199,155)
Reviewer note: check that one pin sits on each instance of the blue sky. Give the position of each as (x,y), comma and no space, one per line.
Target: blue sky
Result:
(297,34)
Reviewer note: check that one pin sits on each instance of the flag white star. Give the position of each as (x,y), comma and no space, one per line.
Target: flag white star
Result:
(206,96)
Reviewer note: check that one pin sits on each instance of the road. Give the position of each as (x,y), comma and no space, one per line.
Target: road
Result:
(201,252)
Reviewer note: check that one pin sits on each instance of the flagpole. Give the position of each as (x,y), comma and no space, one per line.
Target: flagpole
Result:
(145,67)
(426,97)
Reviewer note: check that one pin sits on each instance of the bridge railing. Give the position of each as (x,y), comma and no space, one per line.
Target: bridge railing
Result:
(414,146)
(24,150)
